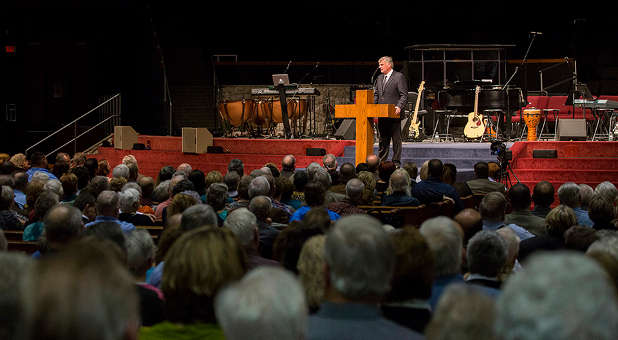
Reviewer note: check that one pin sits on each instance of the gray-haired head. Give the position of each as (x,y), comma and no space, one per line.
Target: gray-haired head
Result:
(486,253)
(128,200)
(511,241)
(601,210)
(268,303)
(492,207)
(607,189)
(560,296)
(568,194)
(162,191)
(359,239)
(13,267)
(140,251)
(107,203)
(354,189)
(55,186)
(236,165)
(6,197)
(607,244)
(330,161)
(46,200)
(259,187)
(63,223)
(198,216)
(185,168)
(243,224)
(400,182)
(266,170)
(445,240)
(40,176)
(132,185)
(121,170)
(585,194)
(311,168)
(322,176)
(260,206)
(464,312)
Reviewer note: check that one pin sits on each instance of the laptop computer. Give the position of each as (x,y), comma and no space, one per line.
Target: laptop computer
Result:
(281,79)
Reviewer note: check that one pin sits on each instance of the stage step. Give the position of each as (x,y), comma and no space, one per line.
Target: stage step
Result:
(567,175)
(581,163)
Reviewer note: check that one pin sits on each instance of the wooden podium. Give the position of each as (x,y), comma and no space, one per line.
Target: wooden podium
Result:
(196,140)
(362,110)
(124,137)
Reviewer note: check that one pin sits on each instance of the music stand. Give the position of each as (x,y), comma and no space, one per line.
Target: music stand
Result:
(281,79)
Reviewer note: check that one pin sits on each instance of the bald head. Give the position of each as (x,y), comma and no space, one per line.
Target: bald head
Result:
(260,207)
(288,163)
(470,222)
(372,162)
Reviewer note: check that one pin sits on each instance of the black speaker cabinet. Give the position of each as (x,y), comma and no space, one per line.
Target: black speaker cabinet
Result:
(347,130)
(572,129)
(316,152)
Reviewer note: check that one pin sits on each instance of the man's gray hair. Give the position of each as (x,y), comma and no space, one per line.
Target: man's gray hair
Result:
(322,176)
(607,189)
(243,224)
(140,251)
(197,216)
(162,191)
(259,186)
(132,185)
(560,296)
(311,169)
(268,303)
(359,239)
(6,197)
(330,161)
(13,267)
(486,253)
(607,244)
(186,168)
(585,194)
(400,182)
(465,313)
(386,59)
(568,194)
(121,170)
(107,202)
(55,186)
(129,200)
(354,189)
(40,176)
(492,207)
(445,240)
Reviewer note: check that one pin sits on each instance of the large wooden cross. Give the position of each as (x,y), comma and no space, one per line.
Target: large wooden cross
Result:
(362,110)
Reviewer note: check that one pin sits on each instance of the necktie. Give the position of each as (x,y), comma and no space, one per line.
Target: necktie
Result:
(384,83)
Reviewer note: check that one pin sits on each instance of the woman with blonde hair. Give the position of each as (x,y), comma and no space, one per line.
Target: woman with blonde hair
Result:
(557,222)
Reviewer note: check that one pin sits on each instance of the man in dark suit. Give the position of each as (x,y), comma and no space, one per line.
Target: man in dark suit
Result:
(391,87)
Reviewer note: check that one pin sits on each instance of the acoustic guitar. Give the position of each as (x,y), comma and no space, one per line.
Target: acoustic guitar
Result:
(475,127)
(414,132)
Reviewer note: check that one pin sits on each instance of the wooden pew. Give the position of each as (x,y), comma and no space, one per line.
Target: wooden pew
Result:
(14,235)
(23,246)
(154,230)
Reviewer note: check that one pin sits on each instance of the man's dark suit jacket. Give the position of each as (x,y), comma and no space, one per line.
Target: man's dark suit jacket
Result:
(395,91)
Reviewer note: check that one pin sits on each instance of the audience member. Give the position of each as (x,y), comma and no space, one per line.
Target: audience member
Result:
(519,197)
(236,165)
(398,192)
(108,210)
(444,238)
(268,303)
(121,170)
(198,265)
(346,173)
(98,185)
(481,185)
(176,179)
(602,212)
(310,268)
(353,292)
(92,165)
(80,293)
(470,222)
(165,174)
(129,203)
(407,303)
(412,170)
(9,218)
(463,313)
(449,176)
(288,166)
(433,189)
(216,197)
(38,163)
(140,258)
(147,185)
(86,203)
(568,193)
(486,255)
(285,190)
(13,268)
(579,238)
(492,208)
(260,206)
(559,220)
(607,189)
(373,162)
(543,197)
(559,296)
(46,200)
(300,179)
(63,225)
(369,181)
(103,168)
(315,198)
(197,216)
(354,197)
(511,241)
(19,190)
(185,168)
(231,179)
(385,170)
(20,161)
(290,241)
(69,187)
(585,194)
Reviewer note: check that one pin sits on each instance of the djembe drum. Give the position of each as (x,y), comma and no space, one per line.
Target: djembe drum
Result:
(531,118)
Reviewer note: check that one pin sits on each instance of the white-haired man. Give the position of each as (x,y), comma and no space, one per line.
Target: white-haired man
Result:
(353,292)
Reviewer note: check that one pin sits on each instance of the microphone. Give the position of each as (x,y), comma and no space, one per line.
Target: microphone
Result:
(288,67)
(374,74)
(537,33)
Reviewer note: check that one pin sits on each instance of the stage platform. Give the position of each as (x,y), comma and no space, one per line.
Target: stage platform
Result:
(581,162)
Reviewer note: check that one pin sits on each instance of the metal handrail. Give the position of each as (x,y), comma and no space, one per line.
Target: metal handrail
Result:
(73,122)
(83,133)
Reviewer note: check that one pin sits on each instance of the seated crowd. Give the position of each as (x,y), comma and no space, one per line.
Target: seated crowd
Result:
(286,253)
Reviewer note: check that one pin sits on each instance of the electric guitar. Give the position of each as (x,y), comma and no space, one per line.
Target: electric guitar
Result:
(475,127)
(414,132)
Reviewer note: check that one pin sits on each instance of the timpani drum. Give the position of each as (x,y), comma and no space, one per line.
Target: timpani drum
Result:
(297,108)
(532,117)
(238,112)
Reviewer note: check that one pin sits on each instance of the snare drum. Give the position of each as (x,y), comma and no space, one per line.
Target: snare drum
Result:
(532,117)
(238,112)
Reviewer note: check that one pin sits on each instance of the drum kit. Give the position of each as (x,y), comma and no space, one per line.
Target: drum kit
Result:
(258,116)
